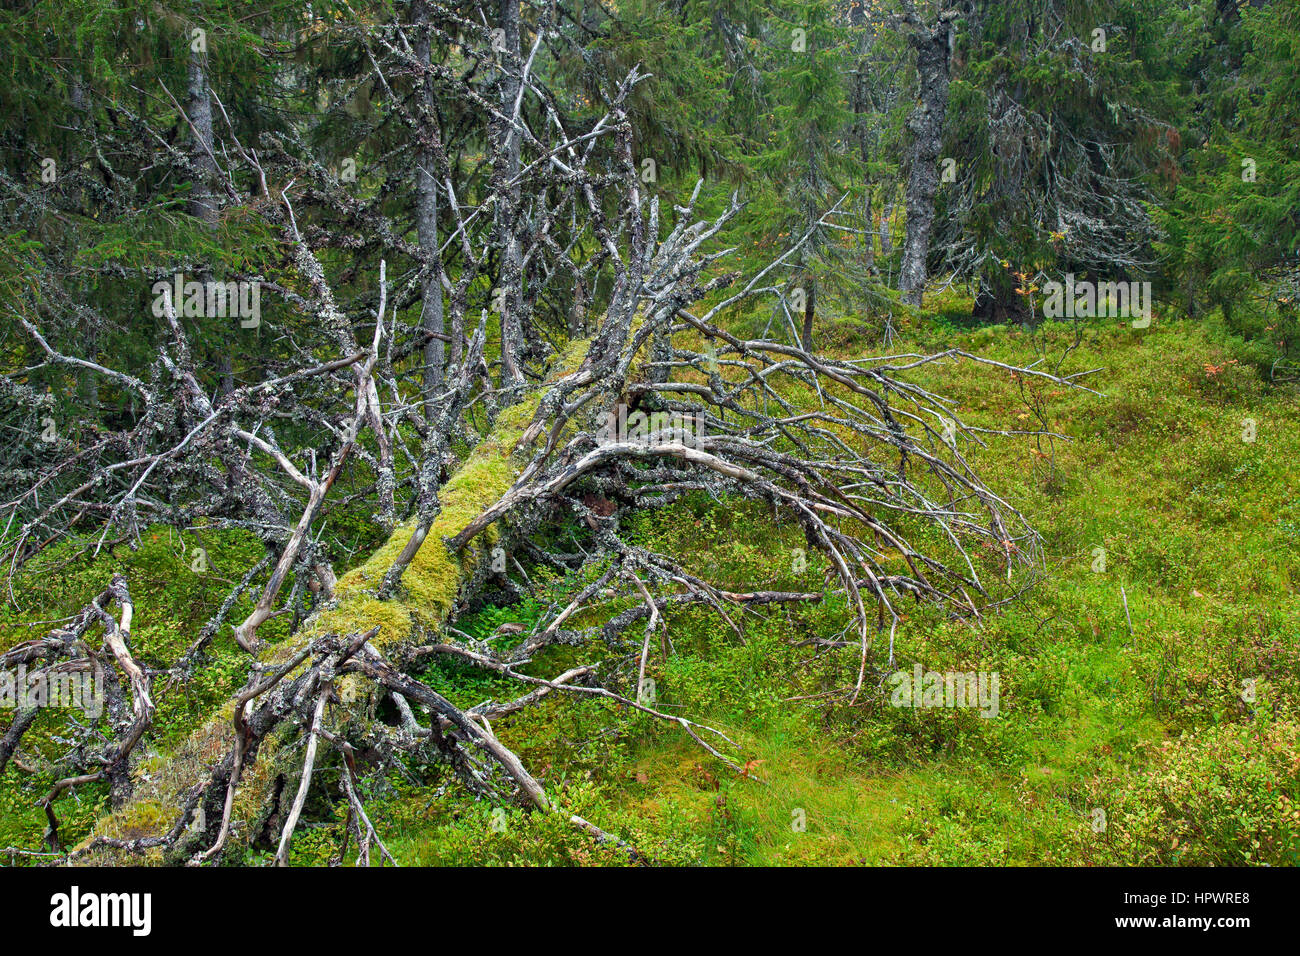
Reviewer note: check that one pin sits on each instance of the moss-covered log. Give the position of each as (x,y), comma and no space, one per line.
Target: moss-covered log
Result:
(146,829)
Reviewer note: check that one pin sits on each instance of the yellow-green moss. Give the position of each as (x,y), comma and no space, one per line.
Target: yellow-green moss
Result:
(433,579)
(570,359)
(142,818)
(427,594)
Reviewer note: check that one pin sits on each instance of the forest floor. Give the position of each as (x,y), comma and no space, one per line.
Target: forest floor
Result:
(1149,702)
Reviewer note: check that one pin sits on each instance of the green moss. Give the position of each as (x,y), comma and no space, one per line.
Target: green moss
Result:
(141,819)
(427,594)
(359,611)
(570,359)
(433,579)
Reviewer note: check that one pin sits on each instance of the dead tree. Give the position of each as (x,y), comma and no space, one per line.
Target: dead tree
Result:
(868,456)
(102,753)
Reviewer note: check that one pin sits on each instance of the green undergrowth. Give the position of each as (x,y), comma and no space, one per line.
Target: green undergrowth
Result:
(1148,675)
(174,592)
(1169,743)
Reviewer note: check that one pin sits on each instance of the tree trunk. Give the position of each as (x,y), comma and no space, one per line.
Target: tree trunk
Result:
(809,311)
(578,310)
(426,598)
(926,124)
(887,222)
(862,110)
(89,331)
(998,302)
(426,220)
(870,250)
(507,161)
(203,200)
(199,111)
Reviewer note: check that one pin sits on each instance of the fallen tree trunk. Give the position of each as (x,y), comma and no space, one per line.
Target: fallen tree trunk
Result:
(429,588)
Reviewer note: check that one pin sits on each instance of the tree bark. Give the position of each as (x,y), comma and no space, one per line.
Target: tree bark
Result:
(997,301)
(861,111)
(199,111)
(809,312)
(887,222)
(926,124)
(203,199)
(508,212)
(426,220)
